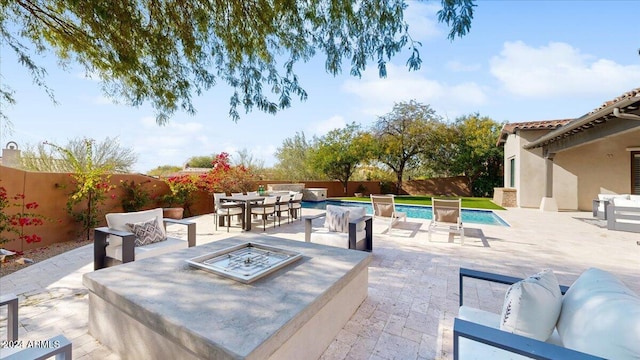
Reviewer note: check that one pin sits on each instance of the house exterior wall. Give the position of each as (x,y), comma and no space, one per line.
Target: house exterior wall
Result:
(530,165)
(603,166)
(579,174)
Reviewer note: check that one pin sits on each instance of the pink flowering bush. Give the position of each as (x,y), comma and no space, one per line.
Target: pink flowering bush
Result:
(17,222)
(224,177)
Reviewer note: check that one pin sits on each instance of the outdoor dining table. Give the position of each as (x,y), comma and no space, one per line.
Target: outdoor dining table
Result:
(247,201)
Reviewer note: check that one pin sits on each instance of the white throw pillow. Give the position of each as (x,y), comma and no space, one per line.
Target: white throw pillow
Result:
(532,306)
(337,219)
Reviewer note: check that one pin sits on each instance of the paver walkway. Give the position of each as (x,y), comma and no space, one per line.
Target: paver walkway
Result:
(413,283)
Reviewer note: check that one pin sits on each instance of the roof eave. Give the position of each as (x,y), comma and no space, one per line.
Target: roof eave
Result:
(585,119)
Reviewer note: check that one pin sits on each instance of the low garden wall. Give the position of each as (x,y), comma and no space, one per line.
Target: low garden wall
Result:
(51,190)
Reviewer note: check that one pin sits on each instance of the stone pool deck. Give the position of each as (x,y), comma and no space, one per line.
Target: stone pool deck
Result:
(413,283)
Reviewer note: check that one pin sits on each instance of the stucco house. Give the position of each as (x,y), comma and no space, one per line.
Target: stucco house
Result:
(564,164)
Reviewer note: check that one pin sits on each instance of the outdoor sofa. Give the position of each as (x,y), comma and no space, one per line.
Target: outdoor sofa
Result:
(599,207)
(344,226)
(117,243)
(623,214)
(597,317)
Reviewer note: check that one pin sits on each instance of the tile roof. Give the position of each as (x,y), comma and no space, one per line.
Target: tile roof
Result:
(627,104)
(557,124)
(511,128)
(629,94)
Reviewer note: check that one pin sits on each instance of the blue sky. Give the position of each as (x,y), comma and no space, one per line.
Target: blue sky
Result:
(522,61)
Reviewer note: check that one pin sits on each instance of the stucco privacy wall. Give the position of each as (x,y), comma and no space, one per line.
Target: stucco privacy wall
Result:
(603,166)
(50,191)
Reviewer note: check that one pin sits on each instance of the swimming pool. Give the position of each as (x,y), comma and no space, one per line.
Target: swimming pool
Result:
(485,217)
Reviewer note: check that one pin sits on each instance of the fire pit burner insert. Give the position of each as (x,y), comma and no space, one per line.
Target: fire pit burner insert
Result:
(245,262)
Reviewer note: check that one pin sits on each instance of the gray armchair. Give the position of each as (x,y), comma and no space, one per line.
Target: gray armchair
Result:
(116,243)
(358,237)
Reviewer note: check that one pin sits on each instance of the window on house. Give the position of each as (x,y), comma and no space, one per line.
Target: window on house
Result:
(512,172)
(635,172)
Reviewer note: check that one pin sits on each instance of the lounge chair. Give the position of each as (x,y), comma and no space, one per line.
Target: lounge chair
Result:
(384,207)
(344,226)
(137,235)
(447,216)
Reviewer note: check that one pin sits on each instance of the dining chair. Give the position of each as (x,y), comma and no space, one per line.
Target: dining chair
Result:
(283,206)
(295,206)
(268,207)
(226,210)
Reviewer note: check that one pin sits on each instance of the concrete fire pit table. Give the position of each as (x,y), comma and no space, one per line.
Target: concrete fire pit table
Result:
(162,307)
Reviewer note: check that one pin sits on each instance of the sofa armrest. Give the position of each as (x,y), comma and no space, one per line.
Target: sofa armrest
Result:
(368,227)
(308,224)
(518,344)
(11,301)
(487,276)
(100,245)
(191,229)
(58,346)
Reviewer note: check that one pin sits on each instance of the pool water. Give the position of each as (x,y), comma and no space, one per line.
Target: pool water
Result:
(485,217)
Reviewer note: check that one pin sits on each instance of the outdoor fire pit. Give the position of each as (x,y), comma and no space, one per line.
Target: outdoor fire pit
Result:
(245,262)
(187,305)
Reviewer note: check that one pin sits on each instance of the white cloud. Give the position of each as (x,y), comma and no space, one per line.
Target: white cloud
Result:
(559,69)
(379,94)
(457,66)
(173,143)
(103,100)
(421,17)
(323,127)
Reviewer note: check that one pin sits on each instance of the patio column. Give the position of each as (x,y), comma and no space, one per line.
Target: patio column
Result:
(548,202)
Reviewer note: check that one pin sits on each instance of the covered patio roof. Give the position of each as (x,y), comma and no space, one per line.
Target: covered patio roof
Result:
(616,116)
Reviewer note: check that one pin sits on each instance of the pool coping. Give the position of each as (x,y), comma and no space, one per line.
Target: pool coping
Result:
(500,219)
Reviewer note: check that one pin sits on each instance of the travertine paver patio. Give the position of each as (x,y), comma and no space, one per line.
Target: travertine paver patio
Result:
(413,284)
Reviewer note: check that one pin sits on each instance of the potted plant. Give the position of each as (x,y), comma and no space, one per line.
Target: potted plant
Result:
(360,191)
(179,198)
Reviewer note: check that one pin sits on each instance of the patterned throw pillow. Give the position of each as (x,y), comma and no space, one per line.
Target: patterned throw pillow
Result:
(337,219)
(532,306)
(147,232)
